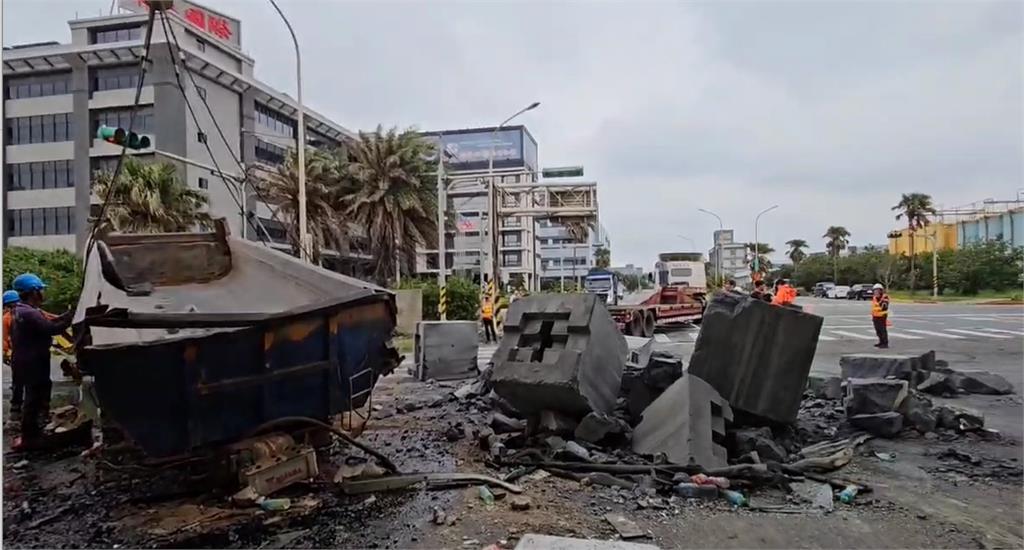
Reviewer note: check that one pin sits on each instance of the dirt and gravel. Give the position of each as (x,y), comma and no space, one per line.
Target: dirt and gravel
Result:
(944,490)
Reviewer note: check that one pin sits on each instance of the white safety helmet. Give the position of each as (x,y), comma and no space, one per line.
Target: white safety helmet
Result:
(878,286)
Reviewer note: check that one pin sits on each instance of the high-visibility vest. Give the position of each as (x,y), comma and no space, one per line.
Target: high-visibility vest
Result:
(876,306)
(487,311)
(784,296)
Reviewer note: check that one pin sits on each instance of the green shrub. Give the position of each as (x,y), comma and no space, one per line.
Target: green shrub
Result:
(463,298)
(61,271)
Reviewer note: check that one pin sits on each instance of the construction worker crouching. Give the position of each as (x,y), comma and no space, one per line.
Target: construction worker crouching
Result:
(880,315)
(32,333)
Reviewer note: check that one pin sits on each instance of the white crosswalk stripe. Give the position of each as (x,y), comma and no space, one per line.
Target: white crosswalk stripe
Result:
(853,335)
(826,338)
(976,333)
(933,333)
(905,336)
(979,318)
(1017,332)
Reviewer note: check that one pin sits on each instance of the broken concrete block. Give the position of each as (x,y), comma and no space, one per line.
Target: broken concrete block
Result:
(640,350)
(661,371)
(938,384)
(958,418)
(886,424)
(983,382)
(446,350)
(756,355)
(873,395)
(555,422)
(686,423)
(503,424)
(520,503)
(825,387)
(596,427)
(878,365)
(560,352)
(917,413)
(759,440)
(572,452)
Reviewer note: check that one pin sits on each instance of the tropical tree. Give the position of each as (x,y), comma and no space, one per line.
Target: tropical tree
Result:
(796,252)
(149,198)
(836,238)
(915,207)
(389,194)
(762,251)
(602,257)
(279,188)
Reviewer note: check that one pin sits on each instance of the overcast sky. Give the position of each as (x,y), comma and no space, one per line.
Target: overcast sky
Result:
(829,109)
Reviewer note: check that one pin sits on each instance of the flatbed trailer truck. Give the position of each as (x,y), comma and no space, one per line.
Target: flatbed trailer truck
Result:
(680,296)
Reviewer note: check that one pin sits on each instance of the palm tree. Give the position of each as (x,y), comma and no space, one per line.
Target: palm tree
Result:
(390,196)
(279,188)
(796,252)
(916,207)
(602,257)
(149,198)
(578,230)
(836,239)
(763,251)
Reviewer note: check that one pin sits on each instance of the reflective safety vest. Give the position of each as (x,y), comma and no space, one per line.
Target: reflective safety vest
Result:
(784,296)
(880,306)
(487,311)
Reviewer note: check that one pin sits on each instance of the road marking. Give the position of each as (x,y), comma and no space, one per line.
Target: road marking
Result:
(1017,332)
(932,333)
(975,333)
(980,318)
(825,338)
(907,336)
(848,326)
(661,338)
(853,335)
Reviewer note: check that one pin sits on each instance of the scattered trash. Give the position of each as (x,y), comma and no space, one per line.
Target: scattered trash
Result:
(693,490)
(847,495)
(486,495)
(275,504)
(886,457)
(735,498)
(817,494)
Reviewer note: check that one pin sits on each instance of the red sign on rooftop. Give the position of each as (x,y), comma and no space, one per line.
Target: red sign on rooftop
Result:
(223,28)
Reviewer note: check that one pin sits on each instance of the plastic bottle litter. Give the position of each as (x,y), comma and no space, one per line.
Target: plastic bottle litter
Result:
(847,495)
(735,498)
(486,495)
(701,479)
(275,504)
(692,490)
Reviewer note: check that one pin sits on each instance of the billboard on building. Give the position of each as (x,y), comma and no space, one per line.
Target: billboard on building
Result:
(471,150)
(214,24)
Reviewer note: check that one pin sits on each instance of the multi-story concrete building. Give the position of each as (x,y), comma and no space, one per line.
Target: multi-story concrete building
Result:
(57,95)
(467,246)
(562,258)
(734,255)
(531,248)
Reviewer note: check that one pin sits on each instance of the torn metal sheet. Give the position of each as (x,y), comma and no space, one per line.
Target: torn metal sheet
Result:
(197,339)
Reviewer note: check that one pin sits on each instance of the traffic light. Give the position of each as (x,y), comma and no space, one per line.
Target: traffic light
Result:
(118,136)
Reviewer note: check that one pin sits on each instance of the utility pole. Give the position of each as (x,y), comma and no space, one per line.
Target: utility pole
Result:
(442,205)
(300,139)
(718,244)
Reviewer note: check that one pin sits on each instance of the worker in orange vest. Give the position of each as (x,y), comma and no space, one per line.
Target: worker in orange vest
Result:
(784,294)
(487,317)
(880,315)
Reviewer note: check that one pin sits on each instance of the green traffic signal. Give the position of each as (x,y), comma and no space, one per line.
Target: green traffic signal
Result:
(118,136)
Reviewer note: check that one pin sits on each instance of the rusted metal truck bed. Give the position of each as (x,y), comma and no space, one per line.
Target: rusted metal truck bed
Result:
(198,339)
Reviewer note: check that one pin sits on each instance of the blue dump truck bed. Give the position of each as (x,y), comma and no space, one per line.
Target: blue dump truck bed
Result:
(197,339)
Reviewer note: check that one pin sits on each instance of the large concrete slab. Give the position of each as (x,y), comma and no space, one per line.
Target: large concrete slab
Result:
(686,423)
(446,350)
(531,541)
(409,309)
(911,368)
(559,352)
(756,355)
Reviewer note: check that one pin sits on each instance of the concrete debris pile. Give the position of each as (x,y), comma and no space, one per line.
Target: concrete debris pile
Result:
(757,356)
(885,393)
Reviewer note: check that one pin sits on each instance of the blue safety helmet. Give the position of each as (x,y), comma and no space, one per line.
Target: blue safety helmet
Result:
(11,297)
(27,282)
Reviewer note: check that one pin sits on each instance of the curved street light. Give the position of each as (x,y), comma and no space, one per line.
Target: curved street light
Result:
(757,253)
(718,245)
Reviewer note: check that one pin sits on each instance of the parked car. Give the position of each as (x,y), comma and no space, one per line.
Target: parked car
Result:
(860,291)
(838,292)
(821,289)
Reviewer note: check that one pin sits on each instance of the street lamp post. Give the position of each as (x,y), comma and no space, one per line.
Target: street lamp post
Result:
(300,139)
(492,197)
(757,253)
(718,245)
